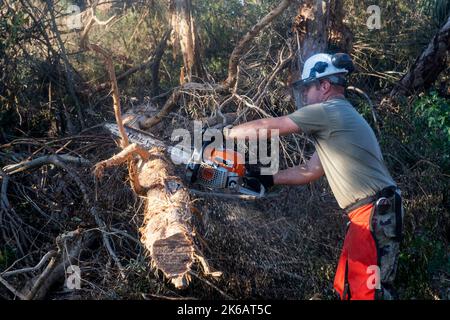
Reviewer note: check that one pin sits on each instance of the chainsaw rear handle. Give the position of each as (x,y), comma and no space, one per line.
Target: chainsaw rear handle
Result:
(265,180)
(258,190)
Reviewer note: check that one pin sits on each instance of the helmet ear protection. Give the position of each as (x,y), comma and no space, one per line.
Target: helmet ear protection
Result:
(319,67)
(343,61)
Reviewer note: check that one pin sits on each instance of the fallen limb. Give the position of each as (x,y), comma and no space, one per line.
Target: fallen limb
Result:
(166,232)
(106,55)
(12,289)
(70,246)
(29,164)
(44,259)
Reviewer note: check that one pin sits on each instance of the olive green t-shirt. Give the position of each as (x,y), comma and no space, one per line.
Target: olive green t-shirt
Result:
(347,148)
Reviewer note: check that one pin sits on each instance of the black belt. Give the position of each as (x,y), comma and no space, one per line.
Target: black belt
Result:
(387,192)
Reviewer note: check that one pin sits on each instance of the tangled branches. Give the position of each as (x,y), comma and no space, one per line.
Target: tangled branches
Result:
(58,199)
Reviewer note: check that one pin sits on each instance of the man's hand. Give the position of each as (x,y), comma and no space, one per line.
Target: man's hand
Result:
(265,180)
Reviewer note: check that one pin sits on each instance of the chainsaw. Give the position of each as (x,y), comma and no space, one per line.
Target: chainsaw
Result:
(220,171)
(223,170)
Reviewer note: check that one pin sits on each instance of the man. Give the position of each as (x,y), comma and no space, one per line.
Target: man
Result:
(347,152)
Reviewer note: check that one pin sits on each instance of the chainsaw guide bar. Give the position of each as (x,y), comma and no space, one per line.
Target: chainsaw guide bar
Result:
(221,172)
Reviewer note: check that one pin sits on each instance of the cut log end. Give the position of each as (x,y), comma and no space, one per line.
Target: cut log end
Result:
(174,256)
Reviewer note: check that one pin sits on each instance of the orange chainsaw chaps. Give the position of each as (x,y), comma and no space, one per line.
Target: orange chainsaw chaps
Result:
(359,257)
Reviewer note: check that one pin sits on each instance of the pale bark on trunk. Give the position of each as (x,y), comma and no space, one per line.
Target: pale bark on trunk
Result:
(340,34)
(311,28)
(185,37)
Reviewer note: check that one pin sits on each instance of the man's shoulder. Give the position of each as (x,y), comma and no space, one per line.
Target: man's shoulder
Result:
(338,102)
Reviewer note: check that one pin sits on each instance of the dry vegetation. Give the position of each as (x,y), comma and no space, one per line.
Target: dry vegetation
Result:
(55,95)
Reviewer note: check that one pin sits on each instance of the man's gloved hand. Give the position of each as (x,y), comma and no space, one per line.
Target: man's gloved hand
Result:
(266,180)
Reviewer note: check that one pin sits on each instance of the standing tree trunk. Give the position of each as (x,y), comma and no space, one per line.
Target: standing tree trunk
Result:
(185,36)
(311,29)
(317,24)
(340,36)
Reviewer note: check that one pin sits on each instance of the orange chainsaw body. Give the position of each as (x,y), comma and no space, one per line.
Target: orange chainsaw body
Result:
(230,160)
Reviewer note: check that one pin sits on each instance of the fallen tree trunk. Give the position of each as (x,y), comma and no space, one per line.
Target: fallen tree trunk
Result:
(166,231)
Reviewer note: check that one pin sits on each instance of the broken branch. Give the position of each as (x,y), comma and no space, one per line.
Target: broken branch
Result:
(25,165)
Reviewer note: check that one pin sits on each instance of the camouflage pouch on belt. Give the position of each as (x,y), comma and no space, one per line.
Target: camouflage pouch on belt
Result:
(387,224)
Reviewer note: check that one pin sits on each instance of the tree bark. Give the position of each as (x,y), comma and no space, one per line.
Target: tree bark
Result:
(185,36)
(317,26)
(311,29)
(340,35)
(428,65)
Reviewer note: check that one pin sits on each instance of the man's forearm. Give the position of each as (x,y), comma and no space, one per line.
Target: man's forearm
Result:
(297,175)
(251,130)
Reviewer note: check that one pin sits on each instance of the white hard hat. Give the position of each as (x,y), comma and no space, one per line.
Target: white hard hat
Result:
(324,65)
